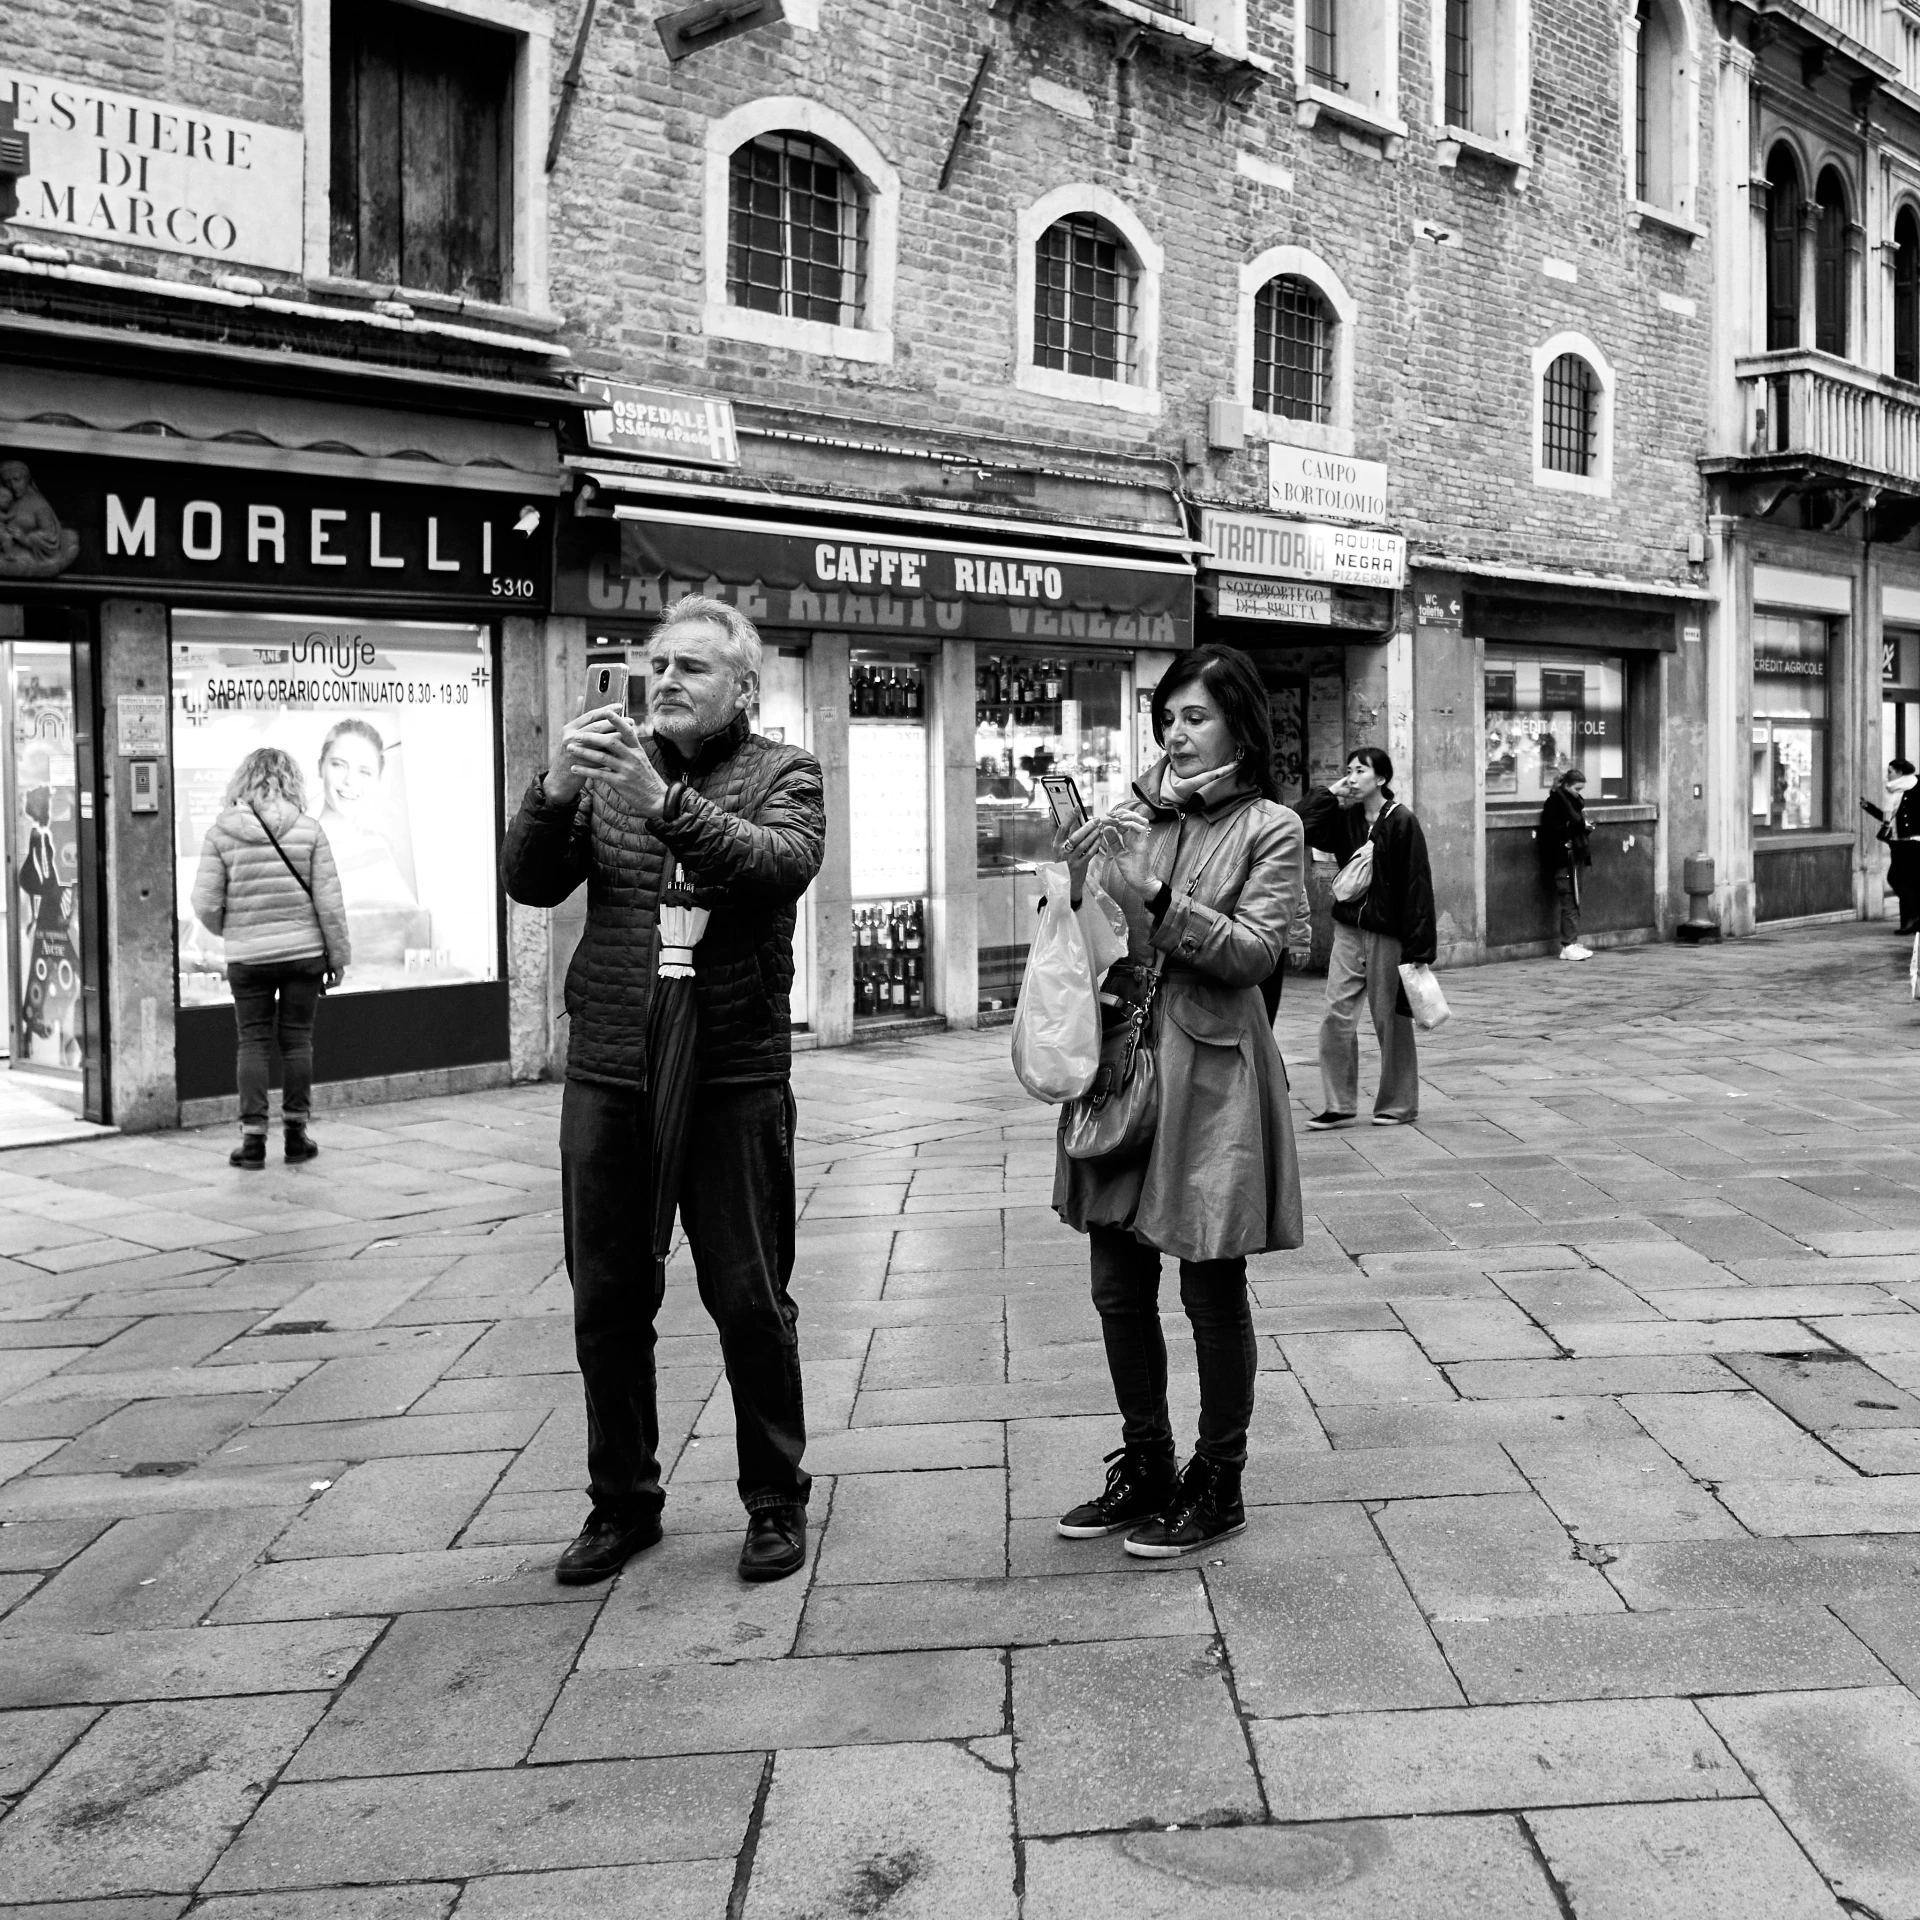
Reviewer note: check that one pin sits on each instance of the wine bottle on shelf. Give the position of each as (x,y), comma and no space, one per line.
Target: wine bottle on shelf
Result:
(915,928)
(913,693)
(896,983)
(1051,668)
(916,987)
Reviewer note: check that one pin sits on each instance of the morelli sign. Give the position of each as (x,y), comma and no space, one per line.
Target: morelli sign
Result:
(649,423)
(134,526)
(122,171)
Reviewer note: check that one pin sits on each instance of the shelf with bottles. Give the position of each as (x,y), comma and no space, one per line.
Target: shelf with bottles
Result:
(1009,691)
(889,959)
(886,687)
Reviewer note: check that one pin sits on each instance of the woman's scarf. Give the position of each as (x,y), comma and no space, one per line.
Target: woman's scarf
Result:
(1202,786)
(1905,783)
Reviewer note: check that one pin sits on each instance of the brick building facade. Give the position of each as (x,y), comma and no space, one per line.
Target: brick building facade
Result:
(1336,231)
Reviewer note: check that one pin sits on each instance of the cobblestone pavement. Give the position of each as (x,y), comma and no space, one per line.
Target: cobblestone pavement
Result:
(1583,1574)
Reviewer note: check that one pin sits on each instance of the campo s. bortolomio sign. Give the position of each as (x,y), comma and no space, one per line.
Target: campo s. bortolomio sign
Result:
(119,170)
(134,527)
(831,578)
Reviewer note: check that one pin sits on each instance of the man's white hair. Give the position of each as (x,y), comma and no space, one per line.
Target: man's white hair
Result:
(743,637)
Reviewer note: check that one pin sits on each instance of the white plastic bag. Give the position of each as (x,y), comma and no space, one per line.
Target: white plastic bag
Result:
(1423,993)
(1056,1029)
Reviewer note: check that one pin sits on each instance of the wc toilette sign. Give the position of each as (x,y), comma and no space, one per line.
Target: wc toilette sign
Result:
(117,170)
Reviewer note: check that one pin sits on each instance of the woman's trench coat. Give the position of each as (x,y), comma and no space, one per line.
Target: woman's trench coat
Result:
(1221,1178)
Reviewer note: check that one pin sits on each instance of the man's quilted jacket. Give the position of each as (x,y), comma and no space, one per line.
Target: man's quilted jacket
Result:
(750,832)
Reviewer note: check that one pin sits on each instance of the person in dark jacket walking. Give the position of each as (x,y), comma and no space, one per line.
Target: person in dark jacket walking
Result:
(267,886)
(1900,830)
(744,818)
(1564,850)
(1392,922)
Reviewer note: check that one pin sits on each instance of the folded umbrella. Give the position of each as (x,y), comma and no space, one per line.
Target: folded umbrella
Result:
(672,1025)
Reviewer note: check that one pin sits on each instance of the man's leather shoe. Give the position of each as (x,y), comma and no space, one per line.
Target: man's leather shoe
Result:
(776,1543)
(606,1543)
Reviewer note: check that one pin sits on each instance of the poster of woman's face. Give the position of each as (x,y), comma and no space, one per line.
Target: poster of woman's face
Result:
(390,726)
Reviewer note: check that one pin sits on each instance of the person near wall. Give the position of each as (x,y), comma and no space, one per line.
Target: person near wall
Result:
(1206,866)
(267,887)
(744,818)
(1565,848)
(1393,921)
(1900,829)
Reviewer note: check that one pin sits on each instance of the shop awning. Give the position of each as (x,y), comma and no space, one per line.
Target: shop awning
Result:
(888,580)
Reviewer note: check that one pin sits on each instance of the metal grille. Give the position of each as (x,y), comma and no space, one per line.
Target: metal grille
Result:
(1459,52)
(1570,416)
(797,231)
(1292,351)
(1323,42)
(1083,300)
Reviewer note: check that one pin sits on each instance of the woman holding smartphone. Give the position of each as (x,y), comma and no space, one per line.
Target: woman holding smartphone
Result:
(1206,866)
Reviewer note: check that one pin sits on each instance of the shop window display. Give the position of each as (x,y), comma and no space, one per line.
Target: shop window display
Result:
(392,725)
(1790,657)
(1035,713)
(45,854)
(1546,712)
(887,768)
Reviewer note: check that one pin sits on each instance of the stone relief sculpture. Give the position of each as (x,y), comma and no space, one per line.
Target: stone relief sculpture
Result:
(33,543)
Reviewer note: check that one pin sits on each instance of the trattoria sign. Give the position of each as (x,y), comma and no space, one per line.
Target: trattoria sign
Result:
(1261,543)
(824,577)
(118,170)
(134,525)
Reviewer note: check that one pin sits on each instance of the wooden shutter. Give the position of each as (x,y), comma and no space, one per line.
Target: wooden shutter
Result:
(422,151)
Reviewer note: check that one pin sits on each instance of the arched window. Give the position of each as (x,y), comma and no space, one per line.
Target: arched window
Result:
(1570,417)
(1661,102)
(1783,250)
(1830,264)
(1292,350)
(1083,301)
(796,232)
(1906,296)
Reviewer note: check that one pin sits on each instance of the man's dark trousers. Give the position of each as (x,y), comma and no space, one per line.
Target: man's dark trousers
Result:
(737,1205)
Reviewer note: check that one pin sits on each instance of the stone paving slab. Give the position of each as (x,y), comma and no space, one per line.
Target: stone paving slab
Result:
(285,1459)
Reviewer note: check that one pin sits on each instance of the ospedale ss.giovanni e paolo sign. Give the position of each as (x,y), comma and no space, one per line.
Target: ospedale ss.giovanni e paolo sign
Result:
(134,525)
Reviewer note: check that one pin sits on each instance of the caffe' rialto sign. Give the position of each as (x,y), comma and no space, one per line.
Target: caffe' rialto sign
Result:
(131,525)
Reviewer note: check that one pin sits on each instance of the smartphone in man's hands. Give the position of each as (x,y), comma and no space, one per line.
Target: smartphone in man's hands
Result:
(607,684)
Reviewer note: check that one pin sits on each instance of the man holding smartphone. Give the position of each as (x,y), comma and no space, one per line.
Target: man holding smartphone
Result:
(745,818)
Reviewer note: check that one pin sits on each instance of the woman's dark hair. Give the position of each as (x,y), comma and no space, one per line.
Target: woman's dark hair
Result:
(1899,766)
(1233,681)
(1379,760)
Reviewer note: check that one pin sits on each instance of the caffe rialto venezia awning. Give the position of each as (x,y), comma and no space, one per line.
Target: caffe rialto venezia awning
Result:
(889,579)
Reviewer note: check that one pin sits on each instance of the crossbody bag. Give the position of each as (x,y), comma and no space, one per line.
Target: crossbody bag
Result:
(1355,879)
(1116,1116)
(301,881)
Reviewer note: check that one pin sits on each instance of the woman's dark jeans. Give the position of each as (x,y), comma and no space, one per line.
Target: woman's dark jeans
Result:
(1126,1294)
(275,1004)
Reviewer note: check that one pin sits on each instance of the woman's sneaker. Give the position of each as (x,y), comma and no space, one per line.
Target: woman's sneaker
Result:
(1205,1507)
(1139,1485)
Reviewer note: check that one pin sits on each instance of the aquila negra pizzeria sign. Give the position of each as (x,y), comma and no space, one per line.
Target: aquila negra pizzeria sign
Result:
(131,525)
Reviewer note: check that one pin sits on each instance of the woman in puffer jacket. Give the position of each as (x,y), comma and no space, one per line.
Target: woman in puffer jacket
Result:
(268,887)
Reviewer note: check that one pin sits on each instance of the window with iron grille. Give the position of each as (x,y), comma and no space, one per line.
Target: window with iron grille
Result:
(1459,63)
(1292,351)
(796,231)
(1083,296)
(1570,417)
(1323,42)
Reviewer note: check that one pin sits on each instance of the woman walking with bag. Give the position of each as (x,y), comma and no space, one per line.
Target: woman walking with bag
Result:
(1185,1146)
(267,886)
(1900,833)
(1382,916)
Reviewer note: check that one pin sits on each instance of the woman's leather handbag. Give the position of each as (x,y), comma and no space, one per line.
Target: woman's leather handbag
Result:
(1116,1116)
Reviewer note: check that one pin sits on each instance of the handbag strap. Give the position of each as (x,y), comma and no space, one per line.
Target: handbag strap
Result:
(300,881)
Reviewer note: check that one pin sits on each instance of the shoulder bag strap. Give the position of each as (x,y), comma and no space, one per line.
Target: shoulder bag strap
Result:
(300,881)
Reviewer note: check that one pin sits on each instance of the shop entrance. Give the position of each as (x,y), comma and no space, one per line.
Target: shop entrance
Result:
(49,964)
